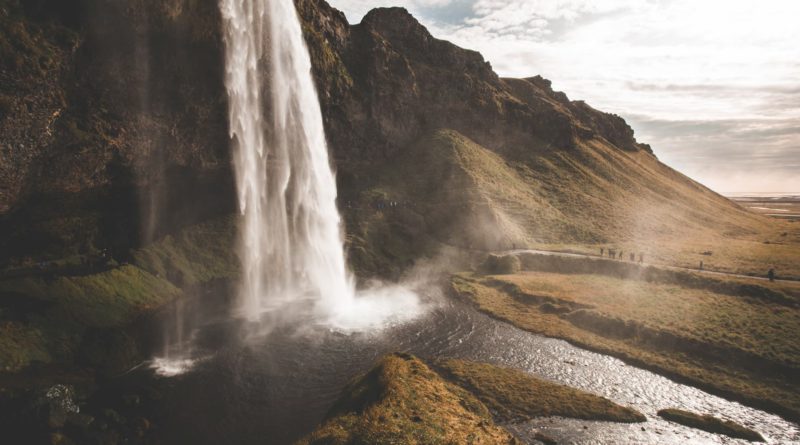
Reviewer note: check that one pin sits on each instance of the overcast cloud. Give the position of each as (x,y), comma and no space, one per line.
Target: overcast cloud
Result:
(712,85)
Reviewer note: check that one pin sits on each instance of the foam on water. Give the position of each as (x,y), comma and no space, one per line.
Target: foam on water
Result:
(171,367)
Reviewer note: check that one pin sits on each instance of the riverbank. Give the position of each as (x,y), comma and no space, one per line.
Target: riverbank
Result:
(740,347)
(403,400)
(282,385)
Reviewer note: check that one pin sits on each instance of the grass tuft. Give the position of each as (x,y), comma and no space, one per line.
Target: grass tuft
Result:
(711,424)
(513,395)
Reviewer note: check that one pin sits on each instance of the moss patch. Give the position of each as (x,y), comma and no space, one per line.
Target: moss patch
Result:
(63,309)
(20,345)
(513,395)
(710,424)
(198,254)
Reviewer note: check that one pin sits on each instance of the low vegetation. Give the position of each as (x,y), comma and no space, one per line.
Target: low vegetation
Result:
(402,401)
(513,395)
(45,315)
(739,347)
(711,424)
(501,264)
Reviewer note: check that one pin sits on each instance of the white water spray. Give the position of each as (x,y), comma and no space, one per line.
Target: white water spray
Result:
(291,244)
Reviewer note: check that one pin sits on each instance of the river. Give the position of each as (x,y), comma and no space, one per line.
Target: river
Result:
(250,387)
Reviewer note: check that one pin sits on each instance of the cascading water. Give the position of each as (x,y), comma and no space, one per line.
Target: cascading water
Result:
(291,244)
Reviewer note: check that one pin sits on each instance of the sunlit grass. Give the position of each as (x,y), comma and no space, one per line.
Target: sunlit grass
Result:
(739,347)
(725,320)
(513,395)
(401,400)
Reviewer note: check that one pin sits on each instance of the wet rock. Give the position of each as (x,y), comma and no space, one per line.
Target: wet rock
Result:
(544,438)
(60,439)
(143,424)
(111,351)
(55,405)
(114,417)
(132,400)
(80,420)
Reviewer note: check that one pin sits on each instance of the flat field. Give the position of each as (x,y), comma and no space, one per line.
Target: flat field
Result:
(740,346)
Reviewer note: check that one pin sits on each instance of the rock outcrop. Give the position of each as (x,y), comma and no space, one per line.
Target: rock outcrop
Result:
(113,119)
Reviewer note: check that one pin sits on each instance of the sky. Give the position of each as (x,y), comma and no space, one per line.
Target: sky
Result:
(712,85)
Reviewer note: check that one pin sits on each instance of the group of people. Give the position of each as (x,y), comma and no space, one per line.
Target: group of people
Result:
(613,254)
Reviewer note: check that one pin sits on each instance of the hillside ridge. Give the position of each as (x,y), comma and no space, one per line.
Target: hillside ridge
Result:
(126,139)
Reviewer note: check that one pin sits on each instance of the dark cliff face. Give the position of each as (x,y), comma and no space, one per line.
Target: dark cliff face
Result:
(392,82)
(113,114)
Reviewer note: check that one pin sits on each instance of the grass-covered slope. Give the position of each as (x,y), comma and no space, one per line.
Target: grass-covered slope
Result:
(451,190)
(59,313)
(403,401)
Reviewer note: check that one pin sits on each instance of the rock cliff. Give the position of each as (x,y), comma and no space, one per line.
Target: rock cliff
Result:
(114,133)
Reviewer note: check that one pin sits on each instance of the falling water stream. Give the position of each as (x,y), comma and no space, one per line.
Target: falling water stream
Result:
(291,243)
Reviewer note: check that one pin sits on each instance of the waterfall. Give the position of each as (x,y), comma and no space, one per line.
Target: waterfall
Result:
(290,245)
(291,242)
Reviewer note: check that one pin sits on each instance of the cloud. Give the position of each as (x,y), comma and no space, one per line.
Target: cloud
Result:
(730,155)
(356,9)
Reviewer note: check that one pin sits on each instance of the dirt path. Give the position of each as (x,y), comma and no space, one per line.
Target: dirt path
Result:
(675,268)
